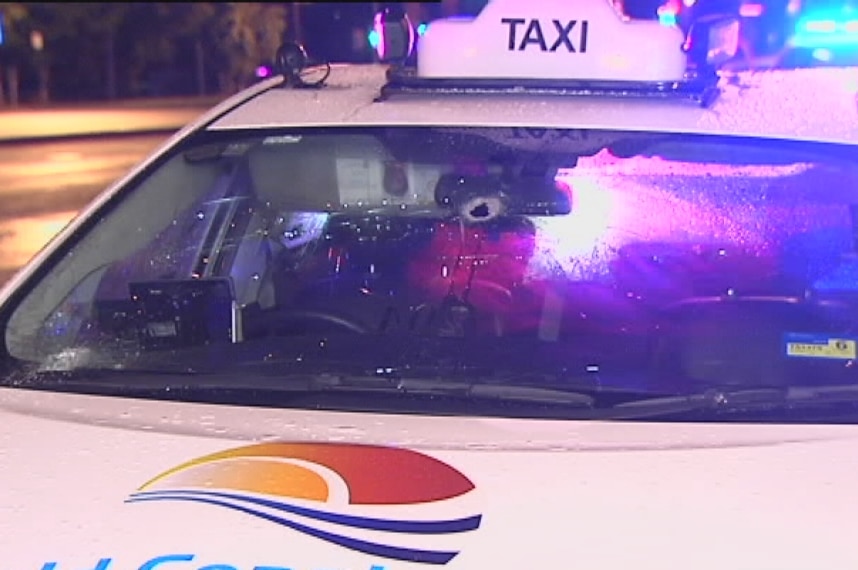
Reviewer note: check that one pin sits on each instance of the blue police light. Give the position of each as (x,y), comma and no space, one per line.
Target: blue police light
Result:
(2,29)
(374,38)
(667,18)
(668,13)
(826,30)
(393,35)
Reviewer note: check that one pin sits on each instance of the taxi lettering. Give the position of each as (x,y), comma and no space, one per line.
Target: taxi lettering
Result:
(172,562)
(547,36)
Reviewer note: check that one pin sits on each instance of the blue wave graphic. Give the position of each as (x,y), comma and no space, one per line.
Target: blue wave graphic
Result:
(388,525)
(375,549)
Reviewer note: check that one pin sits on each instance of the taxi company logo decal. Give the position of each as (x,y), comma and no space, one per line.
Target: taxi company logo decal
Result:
(346,494)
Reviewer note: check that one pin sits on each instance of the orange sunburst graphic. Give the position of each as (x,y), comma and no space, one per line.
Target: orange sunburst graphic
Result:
(325,489)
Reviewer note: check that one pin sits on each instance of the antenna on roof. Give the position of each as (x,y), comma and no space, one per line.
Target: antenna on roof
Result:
(294,64)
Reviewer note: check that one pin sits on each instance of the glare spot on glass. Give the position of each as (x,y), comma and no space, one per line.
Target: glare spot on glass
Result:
(820,26)
(751,10)
(822,54)
(21,238)
(563,239)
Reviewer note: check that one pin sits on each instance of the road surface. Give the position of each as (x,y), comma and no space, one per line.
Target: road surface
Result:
(130,117)
(43,185)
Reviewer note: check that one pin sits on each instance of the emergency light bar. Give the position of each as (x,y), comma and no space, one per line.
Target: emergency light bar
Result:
(554,46)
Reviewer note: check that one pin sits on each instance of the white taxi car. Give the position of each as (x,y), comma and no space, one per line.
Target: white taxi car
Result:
(547,292)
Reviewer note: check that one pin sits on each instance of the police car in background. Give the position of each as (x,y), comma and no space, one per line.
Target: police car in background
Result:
(548,292)
(825,32)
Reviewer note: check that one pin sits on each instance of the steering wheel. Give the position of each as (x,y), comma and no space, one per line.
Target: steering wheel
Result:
(284,321)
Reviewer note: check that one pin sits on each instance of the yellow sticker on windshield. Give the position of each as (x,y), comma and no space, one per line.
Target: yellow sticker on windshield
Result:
(821,346)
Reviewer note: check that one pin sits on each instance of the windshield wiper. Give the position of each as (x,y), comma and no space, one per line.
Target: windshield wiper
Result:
(129,380)
(315,384)
(474,390)
(733,401)
(580,403)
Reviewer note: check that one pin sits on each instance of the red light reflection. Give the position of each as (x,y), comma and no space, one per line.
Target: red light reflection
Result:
(641,230)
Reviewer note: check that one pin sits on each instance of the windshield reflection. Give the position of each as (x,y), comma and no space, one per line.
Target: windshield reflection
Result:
(471,254)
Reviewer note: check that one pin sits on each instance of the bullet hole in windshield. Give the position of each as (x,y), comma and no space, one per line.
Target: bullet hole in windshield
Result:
(480,211)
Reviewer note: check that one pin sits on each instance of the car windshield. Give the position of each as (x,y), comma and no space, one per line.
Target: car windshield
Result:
(636,262)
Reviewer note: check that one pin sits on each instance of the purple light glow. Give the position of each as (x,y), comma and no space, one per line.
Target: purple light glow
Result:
(378,31)
(378,28)
(615,203)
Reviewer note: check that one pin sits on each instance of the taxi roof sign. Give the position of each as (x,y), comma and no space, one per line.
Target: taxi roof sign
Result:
(552,40)
(540,47)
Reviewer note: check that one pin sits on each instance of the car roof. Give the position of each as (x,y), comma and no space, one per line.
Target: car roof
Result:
(816,104)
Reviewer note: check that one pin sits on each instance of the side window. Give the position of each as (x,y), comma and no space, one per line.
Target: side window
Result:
(58,306)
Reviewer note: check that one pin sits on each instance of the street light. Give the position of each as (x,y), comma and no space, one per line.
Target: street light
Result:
(37,40)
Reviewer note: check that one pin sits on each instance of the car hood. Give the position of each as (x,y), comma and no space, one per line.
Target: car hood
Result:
(95,483)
